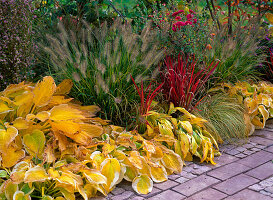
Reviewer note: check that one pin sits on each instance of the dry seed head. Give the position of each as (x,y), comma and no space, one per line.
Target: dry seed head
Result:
(76,76)
(102,83)
(100,66)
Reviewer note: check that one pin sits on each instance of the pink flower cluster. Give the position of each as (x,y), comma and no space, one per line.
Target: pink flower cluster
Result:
(190,20)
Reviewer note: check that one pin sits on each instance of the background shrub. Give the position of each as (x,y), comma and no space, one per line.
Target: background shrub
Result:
(16,41)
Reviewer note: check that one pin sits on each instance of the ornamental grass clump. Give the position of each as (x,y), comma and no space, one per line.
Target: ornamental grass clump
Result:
(226,117)
(16,41)
(238,53)
(101,62)
(52,147)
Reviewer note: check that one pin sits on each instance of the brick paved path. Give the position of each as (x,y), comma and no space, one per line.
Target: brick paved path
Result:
(243,172)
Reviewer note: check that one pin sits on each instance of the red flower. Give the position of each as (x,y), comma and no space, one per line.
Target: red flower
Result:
(177,17)
(189,17)
(178,12)
(191,11)
(188,23)
(194,21)
(174,28)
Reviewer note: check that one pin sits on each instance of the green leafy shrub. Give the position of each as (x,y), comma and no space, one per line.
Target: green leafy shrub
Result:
(101,63)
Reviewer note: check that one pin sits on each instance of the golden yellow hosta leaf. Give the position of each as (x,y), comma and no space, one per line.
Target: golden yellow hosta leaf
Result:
(70,178)
(94,177)
(11,156)
(186,125)
(64,112)
(25,98)
(4,108)
(135,159)
(107,148)
(48,154)
(185,143)
(118,154)
(130,173)
(172,161)
(264,113)
(67,194)
(158,174)
(44,91)
(9,189)
(68,128)
(251,105)
(53,173)
(64,87)
(90,190)
(6,137)
(92,130)
(43,116)
(35,143)
(18,172)
(36,174)
(19,195)
(56,100)
(158,154)
(205,147)
(142,184)
(110,168)
(20,123)
(59,198)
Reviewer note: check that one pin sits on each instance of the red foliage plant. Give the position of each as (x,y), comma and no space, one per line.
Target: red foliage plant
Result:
(145,102)
(183,81)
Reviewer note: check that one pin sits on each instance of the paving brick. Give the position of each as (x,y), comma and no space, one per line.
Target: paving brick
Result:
(248,195)
(256,159)
(255,149)
(240,155)
(181,179)
(122,196)
(241,149)
(152,193)
(248,152)
(248,146)
(265,193)
(235,184)
(262,172)
(223,160)
(208,194)
(232,152)
(228,171)
(166,185)
(117,191)
(187,175)
(269,149)
(168,194)
(256,187)
(199,169)
(174,176)
(194,185)
(137,198)
(260,140)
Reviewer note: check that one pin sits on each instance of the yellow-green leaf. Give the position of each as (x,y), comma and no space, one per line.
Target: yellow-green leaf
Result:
(142,184)
(35,142)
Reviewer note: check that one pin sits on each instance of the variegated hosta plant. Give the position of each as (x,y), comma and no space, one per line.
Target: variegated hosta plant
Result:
(185,134)
(53,148)
(257,99)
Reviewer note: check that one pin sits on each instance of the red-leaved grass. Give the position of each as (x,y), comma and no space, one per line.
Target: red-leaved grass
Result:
(183,81)
(146,101)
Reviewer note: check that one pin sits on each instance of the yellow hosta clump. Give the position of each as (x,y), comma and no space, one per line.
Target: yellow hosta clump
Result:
(185,135)
(53,148)
(257,99)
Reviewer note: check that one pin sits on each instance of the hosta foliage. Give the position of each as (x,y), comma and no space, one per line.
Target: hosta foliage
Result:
(257,99)
(182,132)
(51,147)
